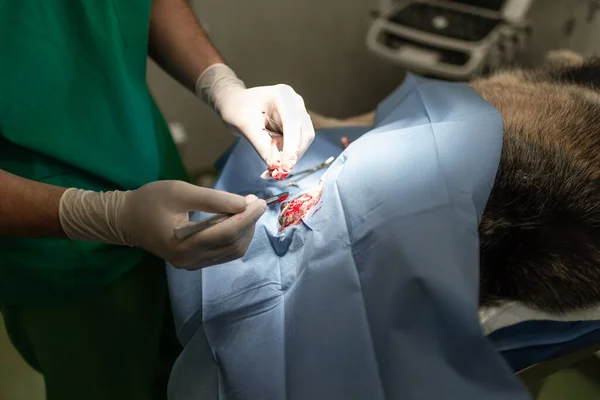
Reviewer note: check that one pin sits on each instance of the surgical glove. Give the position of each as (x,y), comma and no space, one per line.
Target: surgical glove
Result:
(246,111)
(147,217)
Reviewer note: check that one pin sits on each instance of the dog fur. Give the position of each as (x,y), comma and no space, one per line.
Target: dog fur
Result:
(540,231)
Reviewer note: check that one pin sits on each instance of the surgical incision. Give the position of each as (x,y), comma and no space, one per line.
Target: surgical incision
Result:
(293,211)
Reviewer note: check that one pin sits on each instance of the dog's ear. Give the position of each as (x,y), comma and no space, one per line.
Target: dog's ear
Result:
(563,58)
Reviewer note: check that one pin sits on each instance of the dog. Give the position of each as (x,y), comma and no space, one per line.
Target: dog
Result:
(540,231)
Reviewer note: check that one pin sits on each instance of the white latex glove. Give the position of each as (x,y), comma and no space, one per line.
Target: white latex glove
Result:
(147,217)
(245,109)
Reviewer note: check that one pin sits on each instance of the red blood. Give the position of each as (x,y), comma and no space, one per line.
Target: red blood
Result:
(277,171)
(292,212)
(283,198)
(296,205)
(345,142)
(279,174)
(317,210)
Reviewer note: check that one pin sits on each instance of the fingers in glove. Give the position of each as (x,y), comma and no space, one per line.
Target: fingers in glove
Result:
(256,133)
(308,134)
(250,198)
(230,230)
(288,105)
(273,128)
(195,198)
(223,254)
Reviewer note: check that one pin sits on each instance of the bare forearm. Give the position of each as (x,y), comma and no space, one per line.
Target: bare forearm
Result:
(28,208)
(178,43)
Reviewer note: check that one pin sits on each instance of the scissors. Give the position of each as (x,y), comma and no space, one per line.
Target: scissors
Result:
(185,231)
(309,171)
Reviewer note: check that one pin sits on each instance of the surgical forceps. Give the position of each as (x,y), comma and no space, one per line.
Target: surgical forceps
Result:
(274,130)
(309,171)
(183,232)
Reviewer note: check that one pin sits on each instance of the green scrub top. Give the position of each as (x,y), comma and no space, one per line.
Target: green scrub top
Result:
(75,111)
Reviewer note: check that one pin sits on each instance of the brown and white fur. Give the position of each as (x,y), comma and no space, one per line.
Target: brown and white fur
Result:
(540,232)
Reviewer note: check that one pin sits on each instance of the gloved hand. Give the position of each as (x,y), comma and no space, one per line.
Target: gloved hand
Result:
(146,218)
(246,111)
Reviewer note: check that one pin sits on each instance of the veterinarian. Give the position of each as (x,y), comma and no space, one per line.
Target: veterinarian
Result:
(85,154)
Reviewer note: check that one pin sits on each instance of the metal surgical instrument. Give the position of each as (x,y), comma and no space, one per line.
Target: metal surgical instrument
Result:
(185,231)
